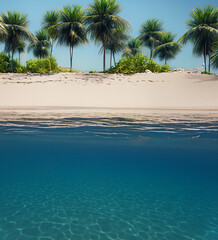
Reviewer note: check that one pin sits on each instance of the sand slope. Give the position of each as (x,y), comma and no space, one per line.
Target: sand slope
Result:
(146,90)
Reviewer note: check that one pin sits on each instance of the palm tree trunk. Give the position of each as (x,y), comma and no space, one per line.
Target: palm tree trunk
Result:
(209,61)
(165,57)
(52,42)
(12,61)
(151,54)
(103,43)
(71,57)
(19,56)
(114,58)
(205,57)
(111,59)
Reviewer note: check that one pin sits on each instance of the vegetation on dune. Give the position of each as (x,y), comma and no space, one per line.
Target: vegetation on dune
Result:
(92,71)
(101,21)
(208,73)
(45,65)
(203,31)
(64,70)
(4,63)
(137,64)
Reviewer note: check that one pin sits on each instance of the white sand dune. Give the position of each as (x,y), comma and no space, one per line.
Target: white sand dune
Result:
(146,90)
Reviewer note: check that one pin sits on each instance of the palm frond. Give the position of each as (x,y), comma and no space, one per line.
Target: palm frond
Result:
(50,21)
(214,59)
(167,49)
(202,30)
(40,46)
(15,30)
(132,48)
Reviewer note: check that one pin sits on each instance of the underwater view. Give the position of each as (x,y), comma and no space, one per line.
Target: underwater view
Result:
(80,174)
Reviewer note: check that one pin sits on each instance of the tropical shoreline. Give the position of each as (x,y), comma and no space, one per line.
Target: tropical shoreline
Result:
(172,91)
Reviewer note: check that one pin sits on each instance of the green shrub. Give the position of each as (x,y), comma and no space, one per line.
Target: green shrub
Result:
(17,67)
(137,64)
(67,70)
(165,68)
(39,66)
(129,65)
(44,65)
(4,63)
(92,71)
(153,66)
(205,72)
(54,65)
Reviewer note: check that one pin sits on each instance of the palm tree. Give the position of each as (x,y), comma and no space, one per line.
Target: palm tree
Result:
(117,42)
(41,45)
(214,59)
(102,18)
(21,48)
(150,33)
(15,25)
(71,29)
(133,47)
(202,31)
(49,22)
(167,48)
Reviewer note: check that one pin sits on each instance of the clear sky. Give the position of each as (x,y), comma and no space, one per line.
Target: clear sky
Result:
(173,13)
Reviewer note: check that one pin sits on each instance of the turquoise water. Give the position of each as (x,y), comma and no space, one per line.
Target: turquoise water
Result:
(79,175)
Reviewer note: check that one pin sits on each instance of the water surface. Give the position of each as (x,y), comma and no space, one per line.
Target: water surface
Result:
(115,175)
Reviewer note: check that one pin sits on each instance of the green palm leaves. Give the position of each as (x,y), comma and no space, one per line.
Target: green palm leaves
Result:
(132,48)
(71,29)
(116,43)
(102,19)
(214,59)
(21,49)
(69,26)
(2,32)
(167,48)
(160,43)
(40,46)
(14,25)
(203,31)
(66,26)
(150,33)
(49,23)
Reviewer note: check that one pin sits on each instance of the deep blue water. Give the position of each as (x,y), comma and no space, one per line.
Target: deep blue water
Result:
(108,176)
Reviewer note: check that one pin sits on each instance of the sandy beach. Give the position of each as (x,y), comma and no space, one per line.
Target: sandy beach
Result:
(176,90)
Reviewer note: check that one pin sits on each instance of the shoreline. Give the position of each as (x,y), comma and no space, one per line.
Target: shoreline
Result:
(101,109)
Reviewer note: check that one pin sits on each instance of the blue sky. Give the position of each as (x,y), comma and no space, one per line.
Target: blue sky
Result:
(173,13)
